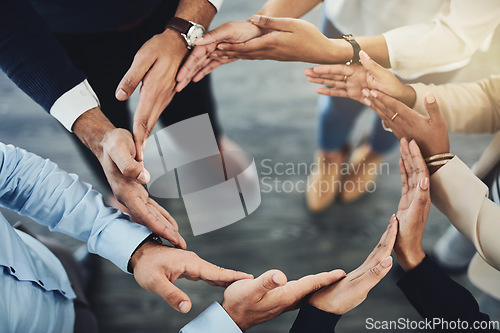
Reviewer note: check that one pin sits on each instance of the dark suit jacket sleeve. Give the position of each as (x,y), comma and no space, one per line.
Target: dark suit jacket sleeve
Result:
(311,319)
(435,295)
(32,57)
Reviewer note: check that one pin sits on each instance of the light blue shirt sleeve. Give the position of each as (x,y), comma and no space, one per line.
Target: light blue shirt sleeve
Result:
(213,320)
(37,188)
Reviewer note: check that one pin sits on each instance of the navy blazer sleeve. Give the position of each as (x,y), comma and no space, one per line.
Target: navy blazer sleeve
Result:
(311,319)
(435,295)
(32,57)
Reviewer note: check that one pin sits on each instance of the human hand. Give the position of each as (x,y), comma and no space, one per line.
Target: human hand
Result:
(118,161)
(115,150)
(355,80)
(201,61)
(251,302)
(413,207)
(155,65)
(286,40)
(351,291)
(431,133)
(156,267)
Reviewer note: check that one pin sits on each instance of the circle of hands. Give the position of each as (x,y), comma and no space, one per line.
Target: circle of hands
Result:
(248,300)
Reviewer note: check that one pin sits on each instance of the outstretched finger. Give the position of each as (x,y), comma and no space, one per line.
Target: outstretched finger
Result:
(327,82)
(369,280)
(407,161)
(404,177)
(210,68)
(140,66)
(300,288)
(384,246)
(340,71)
(331,92)
(268,281)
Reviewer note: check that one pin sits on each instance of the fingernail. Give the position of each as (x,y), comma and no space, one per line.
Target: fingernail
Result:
(392,220)
(215,55)
(367,101)
(142,178)
(255,19)
(220,47)
(373,93)
(424,184)
(366,92)
(199,40)
(184,306)
(430,98)
(387,262)
(121,94)
(276,279)
(225,57)
(363,54)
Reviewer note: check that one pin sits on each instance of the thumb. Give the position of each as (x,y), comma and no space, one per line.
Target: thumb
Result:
(369,64)
(172,295)
(432,107)
(268,281)
(272,23)
(140,66)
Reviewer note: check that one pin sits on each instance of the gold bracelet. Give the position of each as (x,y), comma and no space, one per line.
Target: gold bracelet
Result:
(438,163)
(439,156)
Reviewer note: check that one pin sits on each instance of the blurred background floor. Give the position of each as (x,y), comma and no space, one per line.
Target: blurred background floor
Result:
(269,109)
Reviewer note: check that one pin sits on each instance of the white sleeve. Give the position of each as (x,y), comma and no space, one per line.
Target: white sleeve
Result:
(216,3)
(73,104)
(213,320)
(446,43)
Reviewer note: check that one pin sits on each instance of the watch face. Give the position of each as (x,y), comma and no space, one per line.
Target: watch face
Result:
(195,33)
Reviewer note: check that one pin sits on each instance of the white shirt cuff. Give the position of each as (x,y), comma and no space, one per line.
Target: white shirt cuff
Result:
(216,3)
(213,320)
(73,104)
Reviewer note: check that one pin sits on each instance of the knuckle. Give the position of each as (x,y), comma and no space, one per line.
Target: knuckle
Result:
(375,271)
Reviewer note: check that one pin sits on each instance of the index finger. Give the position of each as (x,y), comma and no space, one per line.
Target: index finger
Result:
(208,272)
(342,70)
(302,287)
(194,62)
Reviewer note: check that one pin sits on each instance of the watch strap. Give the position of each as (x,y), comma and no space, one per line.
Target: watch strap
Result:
(355,47)
(180,25)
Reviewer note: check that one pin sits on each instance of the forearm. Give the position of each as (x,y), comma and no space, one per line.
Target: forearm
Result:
(444,44)
(468,208)
(468,108)
(37,188)
(199,11)
(91,128)
(435,295)
(288,8)
(32,57)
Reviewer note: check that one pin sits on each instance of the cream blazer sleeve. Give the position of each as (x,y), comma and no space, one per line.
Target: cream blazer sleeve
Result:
(446,43)
(455,189)
(463,198)
(467,108)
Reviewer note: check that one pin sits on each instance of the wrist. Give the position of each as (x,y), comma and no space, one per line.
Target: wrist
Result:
(339,52)
(410,259)
(150,242)
(238,319)
(91,128)
(407,95)
(176,42)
